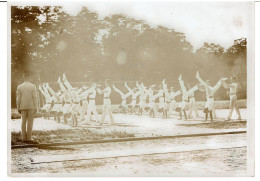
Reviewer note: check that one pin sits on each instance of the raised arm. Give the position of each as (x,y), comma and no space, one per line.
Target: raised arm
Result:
(100,91)
(117,90)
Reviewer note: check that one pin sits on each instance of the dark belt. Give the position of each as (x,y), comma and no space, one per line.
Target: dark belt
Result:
(233,94)
(59,103)
(76,102)
(124,99)
(67,102)
(133,99)
(106,97)
(84,99)
(91,98)
(211,97)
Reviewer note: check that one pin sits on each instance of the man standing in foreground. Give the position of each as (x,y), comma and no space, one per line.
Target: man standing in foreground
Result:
(233,97)
(26,101)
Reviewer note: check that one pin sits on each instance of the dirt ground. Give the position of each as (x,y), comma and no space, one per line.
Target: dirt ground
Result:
(48,131)
(220,162)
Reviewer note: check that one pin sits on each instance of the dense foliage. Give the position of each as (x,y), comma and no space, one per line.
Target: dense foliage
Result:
(47,42)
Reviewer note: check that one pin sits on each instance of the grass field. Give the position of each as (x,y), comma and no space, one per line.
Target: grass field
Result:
(116,109)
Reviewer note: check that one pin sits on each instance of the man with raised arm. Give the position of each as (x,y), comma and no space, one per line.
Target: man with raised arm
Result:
(210,91)
(123,97)
(233,96)
(106,103)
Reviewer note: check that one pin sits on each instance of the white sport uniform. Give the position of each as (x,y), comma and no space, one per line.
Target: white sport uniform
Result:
(142,99)
(68,103)
(233,98)
(152,98)
(92,104)
(107,106)
(56,98)
(84,104)
(123,97)
(47,97)
(192,105)
(134,96)
(76,102)
(210,91)
(185,96)
(58,105)
(161,99)
(173,103)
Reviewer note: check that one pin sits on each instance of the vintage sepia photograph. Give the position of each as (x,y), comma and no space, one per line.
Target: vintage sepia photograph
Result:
(131,88)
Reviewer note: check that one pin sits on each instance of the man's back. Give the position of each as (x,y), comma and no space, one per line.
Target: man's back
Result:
(26,96)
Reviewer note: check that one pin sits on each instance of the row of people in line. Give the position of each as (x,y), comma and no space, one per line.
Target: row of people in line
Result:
(71,102)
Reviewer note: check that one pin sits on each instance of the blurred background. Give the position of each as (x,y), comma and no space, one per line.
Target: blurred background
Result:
(47,42)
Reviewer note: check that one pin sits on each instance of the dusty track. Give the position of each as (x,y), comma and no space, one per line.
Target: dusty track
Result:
(124,140)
